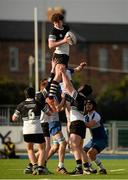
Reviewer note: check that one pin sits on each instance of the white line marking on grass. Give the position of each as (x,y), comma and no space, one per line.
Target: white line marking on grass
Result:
(116,170)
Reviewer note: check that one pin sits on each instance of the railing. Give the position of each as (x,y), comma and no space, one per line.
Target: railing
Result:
(117,130)
(6,112)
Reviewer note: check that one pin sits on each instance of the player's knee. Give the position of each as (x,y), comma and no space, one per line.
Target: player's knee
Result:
(56,148)
(62,141)
(91,155)
(74,146)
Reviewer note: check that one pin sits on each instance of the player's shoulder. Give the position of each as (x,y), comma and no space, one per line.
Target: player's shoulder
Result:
(70,70)
(97,115)
(37,93)
(20,105)
(39,96)
(54,30)
(66,27)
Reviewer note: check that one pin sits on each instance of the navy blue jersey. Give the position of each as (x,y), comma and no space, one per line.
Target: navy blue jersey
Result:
(98,130)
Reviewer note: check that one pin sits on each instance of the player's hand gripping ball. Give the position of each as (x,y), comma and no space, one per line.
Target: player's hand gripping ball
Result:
(72,39)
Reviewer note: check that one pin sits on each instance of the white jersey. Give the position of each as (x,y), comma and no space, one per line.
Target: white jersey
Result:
(93,116)
(62,49)
(76,115)
(45,118)
(32,127)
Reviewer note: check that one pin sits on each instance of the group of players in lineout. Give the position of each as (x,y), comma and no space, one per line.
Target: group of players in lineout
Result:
(41,120)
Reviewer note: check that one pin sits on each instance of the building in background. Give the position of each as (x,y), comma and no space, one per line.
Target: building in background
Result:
(102,41)
(104,46)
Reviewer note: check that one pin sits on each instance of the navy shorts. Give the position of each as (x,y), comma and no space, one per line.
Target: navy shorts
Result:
(98,144)
(54,127)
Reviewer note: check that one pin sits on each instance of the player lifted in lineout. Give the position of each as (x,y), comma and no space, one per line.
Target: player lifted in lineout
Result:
(60,38)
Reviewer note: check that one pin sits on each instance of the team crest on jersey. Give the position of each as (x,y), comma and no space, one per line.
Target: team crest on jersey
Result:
(61,35)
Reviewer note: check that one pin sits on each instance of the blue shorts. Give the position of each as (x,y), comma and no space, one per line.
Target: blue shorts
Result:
(99,145)
(54,127)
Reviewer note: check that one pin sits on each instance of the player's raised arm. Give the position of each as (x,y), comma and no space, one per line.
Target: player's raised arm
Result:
(81,67)
(66,81)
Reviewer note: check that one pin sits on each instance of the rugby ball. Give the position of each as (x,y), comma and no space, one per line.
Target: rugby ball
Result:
(72,36)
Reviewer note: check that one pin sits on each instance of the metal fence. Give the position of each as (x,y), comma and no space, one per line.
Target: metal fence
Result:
(117,130)
(6,112)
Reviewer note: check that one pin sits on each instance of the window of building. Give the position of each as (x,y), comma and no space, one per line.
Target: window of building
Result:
(14,58)
(103,59)
(125,59)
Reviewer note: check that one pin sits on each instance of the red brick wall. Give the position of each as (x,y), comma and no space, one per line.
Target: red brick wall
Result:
(95,77)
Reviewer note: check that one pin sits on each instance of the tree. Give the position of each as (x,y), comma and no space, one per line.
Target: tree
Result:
(113,103)
(11,93)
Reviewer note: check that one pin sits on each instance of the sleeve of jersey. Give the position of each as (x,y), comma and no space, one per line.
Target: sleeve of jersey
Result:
(71,70)
(74,94)
(52,36)
(66,26)
(97,117)
(68,98)
(40,98)
(72,97)
(46,108)
(17,111)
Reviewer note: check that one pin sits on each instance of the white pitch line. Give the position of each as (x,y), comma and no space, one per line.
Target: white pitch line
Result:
(116,170)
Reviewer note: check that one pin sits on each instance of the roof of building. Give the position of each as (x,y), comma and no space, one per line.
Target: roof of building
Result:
(85,32)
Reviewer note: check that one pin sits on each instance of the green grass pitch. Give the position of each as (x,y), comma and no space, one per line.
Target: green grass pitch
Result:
(13,169)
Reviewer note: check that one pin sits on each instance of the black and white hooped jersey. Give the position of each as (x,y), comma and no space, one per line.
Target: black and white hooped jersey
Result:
(30,111)
(77,107)
(98,130)
(59,34)
(78,101)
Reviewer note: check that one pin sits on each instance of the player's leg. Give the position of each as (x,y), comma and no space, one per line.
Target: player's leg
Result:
(45,128)
(61,152)
(102,169)
(67,113)
(54,148)
(76,149)
(88,169)
(32,158)
(41,169)
(62,60)
(92,153)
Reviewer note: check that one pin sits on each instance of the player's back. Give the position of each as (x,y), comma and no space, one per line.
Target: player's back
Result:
(30,110)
